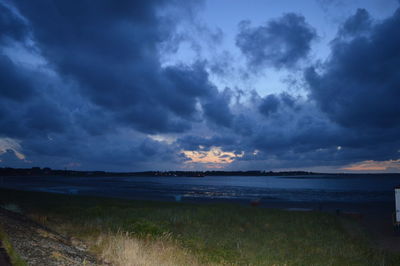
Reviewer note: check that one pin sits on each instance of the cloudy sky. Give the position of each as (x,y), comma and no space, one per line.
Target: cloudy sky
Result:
(197,85)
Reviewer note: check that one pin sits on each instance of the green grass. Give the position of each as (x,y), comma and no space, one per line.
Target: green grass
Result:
(16,260)
(214,233)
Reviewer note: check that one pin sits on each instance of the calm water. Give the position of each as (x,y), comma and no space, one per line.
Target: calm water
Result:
(378,188)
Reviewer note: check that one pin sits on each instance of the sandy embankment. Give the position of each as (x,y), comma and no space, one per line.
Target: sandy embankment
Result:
(38,245)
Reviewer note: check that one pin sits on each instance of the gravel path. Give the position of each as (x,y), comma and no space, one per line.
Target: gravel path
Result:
(38,245)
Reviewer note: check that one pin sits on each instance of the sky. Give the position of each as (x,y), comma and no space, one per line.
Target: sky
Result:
(200,85)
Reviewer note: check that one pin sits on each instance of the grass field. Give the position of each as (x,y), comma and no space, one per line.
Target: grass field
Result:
(171,233)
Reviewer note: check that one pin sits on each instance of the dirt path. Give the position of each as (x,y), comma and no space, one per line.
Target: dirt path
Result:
(38,245)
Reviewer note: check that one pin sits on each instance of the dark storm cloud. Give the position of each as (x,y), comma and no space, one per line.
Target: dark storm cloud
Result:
(279,43)
(111,50)
(296,135)
(103,92)
(102,152)
(269,105)
(109,80)
(15,83)
(359,85)
(289,130)
(38,118)
(11,26)
(9,158)
(94,121)
(184,87)
(45,117)
(359,23)
(24,110)
(216,109)
(191,142)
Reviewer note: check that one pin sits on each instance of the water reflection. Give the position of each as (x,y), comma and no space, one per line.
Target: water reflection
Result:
(303,188)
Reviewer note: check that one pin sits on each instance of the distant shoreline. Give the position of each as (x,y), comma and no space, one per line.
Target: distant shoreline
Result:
(37,172)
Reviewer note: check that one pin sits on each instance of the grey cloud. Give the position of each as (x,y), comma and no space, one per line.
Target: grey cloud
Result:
(279,43)
(112,52)
(216,109)
(110,81)
(269,105)
(358,85)
(45,117)
(15,83)
(111,91)
(359,23)
(11,26)
(9,159)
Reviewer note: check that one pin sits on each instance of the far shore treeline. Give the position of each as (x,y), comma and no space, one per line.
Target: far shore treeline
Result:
(37,171)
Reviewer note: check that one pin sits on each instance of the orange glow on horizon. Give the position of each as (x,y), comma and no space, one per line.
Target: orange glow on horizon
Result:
(371,165)
(215,156)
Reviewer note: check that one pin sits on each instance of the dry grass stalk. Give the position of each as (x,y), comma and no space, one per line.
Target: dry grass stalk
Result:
(123,249)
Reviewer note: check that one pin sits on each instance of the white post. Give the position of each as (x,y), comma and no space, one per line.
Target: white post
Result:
(397,195)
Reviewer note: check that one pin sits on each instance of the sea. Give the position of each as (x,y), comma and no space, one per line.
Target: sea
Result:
(310,188)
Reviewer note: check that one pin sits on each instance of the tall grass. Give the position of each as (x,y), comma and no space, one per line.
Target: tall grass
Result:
(122,249)
(216,234)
